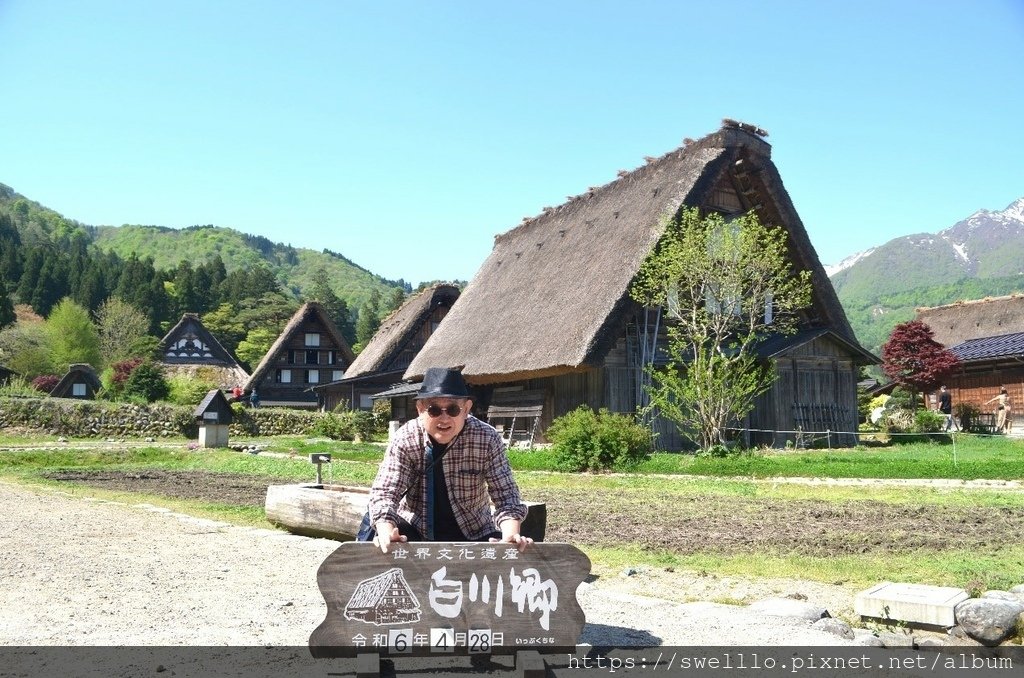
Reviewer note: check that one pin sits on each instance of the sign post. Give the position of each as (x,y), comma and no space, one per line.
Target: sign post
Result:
(442,599)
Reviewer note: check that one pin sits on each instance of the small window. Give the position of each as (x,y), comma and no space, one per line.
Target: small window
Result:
(365,402)
(337,375)
(284,376)
(332,357)
(291,356)
(312,376)
(312,339)
(313,357)
(78,390)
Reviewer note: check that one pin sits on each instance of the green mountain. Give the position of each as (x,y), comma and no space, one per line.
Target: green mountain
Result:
(978,257)
(293,267)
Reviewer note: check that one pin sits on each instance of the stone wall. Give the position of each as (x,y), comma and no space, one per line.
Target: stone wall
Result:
(95,418)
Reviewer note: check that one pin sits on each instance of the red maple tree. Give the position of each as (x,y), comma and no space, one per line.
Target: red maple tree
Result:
(913,359)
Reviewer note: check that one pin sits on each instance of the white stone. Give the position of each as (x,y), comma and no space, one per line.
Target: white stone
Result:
(916,603)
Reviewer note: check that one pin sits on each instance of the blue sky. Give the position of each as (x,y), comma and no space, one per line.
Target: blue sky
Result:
(405,135)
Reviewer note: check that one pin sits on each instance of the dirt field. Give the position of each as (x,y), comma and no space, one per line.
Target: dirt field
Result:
(724,525)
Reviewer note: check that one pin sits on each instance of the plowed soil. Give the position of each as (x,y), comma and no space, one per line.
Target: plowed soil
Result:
(705,524)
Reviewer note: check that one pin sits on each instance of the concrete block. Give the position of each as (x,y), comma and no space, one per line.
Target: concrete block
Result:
(912,603)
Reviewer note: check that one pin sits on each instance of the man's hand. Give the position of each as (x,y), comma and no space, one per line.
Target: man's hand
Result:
(510,535)
(387,534)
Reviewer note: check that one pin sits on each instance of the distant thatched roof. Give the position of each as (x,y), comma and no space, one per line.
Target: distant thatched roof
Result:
(399,328)
(956,323)
(308,311)
(77,372)
(217,361)
(553,295)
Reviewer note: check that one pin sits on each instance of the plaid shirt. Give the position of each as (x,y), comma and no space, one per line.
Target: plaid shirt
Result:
(476,471)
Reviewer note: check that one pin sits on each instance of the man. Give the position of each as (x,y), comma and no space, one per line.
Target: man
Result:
(946,407)
(442,471)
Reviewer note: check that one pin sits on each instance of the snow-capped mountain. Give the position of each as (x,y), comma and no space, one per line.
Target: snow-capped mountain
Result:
(982,255)
(986,244)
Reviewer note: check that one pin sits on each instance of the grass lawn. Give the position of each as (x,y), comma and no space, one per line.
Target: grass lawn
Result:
(703,507)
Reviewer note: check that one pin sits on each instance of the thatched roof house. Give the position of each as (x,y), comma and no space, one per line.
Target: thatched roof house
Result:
(552,301)
(309,351)
(956,323)
(80,382)
(189,348)
(400,337)
(987,364)
(384,599)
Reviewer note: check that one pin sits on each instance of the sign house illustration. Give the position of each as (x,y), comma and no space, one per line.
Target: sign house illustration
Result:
(384,599)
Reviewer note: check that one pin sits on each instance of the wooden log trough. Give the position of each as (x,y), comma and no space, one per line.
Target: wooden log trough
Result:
(334,511)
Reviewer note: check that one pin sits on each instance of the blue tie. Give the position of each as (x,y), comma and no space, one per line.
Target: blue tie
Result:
(428,532)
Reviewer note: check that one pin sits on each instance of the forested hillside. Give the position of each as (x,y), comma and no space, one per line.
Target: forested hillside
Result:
(245,288)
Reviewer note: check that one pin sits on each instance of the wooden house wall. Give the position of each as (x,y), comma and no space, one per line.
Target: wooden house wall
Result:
(819,374)
(292,356)
(352,395)
(977,383)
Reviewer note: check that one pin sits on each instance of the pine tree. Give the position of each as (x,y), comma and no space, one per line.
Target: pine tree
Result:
(335,306)
(7,315)
(369,320)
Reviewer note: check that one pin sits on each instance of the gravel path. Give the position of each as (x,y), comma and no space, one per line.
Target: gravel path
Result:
(77,571)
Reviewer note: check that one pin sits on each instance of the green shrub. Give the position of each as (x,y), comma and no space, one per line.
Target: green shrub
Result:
(189,391)
(929,421)
(146,382)
(587,441)
(897,420)
(19,386)
(901,399)
(345,425)
(330,425)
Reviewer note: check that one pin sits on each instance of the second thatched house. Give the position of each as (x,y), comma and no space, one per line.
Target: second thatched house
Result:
(549,312)
(987,335)
(956,323)
(387,355)
(79,382)
(190,349)
(309,351)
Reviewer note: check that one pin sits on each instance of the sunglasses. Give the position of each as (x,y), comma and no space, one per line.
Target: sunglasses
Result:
(434,411)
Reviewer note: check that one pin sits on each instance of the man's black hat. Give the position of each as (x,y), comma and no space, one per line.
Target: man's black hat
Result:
(443,382)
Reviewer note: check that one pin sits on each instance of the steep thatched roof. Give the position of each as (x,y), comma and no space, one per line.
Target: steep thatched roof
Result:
(309,311)
(77,372)
(956,323)
(215,361)
(553,295)
(399,328)
(191,324)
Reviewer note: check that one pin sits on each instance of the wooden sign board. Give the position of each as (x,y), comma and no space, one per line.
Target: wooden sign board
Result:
(445,598)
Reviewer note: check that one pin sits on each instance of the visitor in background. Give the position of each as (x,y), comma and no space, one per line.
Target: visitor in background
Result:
(1002,409)
(946,407)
